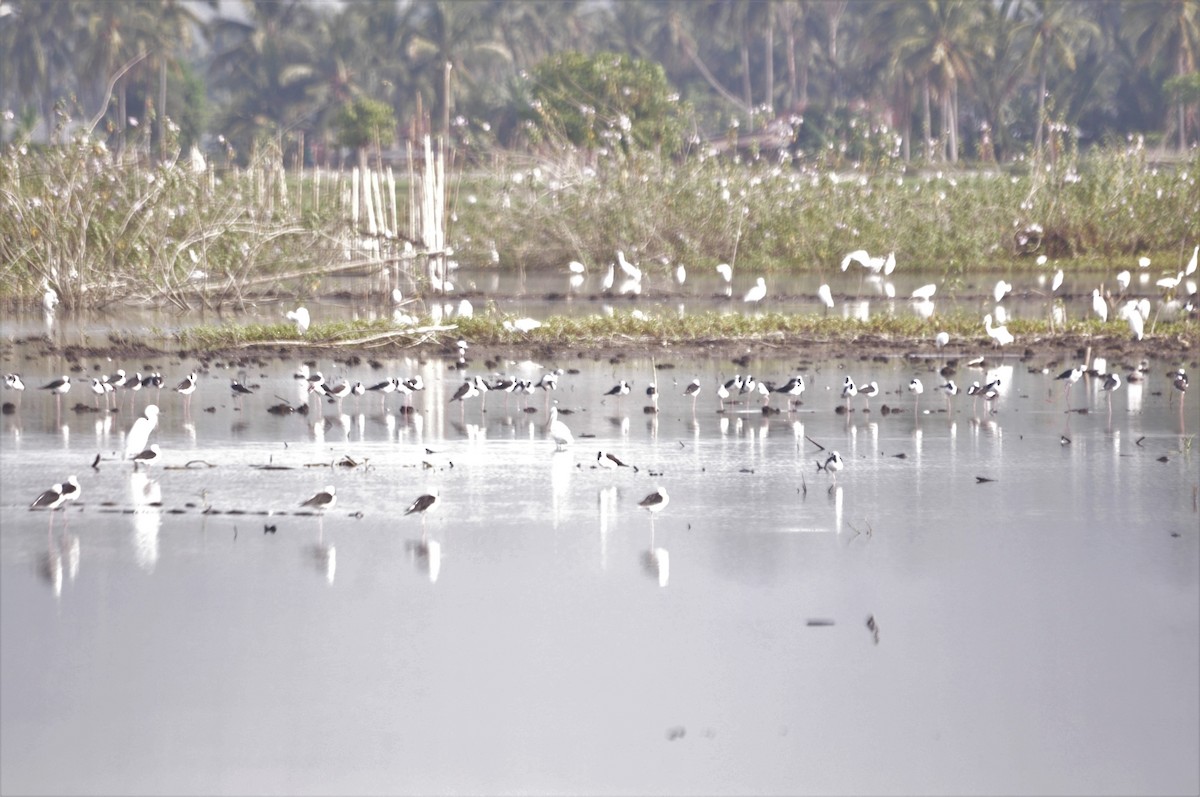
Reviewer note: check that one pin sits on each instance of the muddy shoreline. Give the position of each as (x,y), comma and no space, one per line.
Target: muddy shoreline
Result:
(1121,352)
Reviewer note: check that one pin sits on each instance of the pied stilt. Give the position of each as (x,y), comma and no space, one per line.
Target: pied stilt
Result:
(833,463)
(620,389)
(950,390)
(849,391)
(59,387)
(916,387)
(238,390)
(1112,382)
(655,502)
(147,457)
(609,461)
(793,389)
(13,382)
(57,495)
(1070,377)
(421,506)
(868,392)
(325,499)
(693,390)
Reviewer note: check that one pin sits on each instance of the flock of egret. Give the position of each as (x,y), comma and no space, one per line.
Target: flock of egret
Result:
(1178,292)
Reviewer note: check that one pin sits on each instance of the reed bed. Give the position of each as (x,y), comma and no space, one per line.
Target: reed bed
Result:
(98,227)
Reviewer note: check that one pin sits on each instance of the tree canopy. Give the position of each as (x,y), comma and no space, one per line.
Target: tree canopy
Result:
(949,78)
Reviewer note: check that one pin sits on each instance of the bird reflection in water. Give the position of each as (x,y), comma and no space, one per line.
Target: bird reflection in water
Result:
(427,555)
(146,495)
(656,561)
(324,557)
(60,557)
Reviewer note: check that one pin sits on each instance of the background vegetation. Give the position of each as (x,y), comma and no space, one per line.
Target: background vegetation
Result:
(778,135)
(953,79)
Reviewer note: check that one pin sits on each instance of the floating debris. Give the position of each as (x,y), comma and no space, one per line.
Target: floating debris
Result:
(873,627)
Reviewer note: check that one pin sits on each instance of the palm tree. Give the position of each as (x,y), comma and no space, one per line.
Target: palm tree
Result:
(1056,29)
(801,29)
(117,33)
(448,39)
(1168,32)
(930,44)
(266,69)
(1000,69)
(40,40)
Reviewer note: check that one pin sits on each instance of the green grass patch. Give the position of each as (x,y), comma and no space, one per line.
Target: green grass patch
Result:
(622,328)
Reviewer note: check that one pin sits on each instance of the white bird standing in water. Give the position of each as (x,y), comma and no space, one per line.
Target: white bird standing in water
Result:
(558,431)
(1000,335)
(1001,289)
(1099,306)
(726,272)
(300,318)
(757,293)
(139,433)
(825,295)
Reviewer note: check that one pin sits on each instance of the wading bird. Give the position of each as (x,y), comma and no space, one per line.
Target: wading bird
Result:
(558,431)
(139,433)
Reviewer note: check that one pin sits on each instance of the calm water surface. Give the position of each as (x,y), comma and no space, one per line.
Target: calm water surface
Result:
(1036,633)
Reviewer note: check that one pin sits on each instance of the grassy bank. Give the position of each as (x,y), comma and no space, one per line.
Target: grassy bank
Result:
(623,329)
(101,228)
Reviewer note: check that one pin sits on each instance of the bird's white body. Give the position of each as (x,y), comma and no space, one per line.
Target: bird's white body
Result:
(925,292)
(300,318)
(139,433)
(999,334)
(1099,306)
(558,431)
(522,325)
(826,296)
(757,293)
(656,501)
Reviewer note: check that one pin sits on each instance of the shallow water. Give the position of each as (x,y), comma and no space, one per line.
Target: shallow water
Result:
(856,294)
(1034,633)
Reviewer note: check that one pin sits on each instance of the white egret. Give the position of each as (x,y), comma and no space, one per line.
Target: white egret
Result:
(826,296)
(1099,305)
(631,271)
(925,292)
(559,433)
(756,293)
(1002,288)
(300,318)
(999,334)
(522,325)
(139,433)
